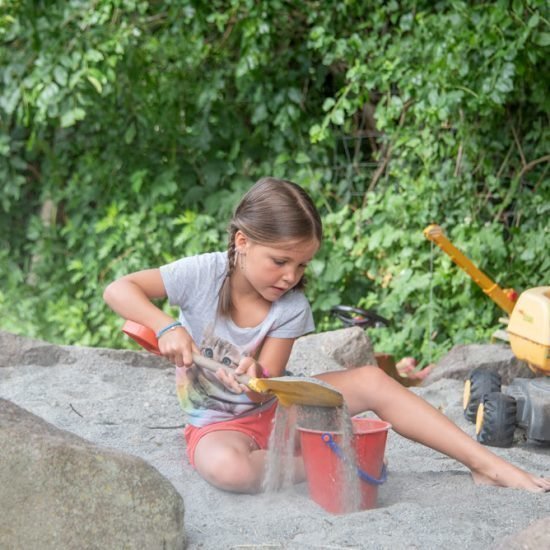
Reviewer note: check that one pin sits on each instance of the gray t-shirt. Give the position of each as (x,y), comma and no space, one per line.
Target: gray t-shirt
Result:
(193,284)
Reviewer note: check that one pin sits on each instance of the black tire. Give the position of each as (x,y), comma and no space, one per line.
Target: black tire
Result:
(480,382)
(496,420)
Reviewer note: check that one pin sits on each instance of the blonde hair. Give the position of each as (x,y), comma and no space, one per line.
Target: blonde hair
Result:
(272,211)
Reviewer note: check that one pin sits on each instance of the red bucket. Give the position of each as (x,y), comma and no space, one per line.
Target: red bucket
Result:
(323,457)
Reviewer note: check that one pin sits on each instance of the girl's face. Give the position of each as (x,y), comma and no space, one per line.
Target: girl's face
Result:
(275,269)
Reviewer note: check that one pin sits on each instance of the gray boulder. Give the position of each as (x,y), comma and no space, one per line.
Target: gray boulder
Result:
(20,350)
(534,537)
(349,347)
(462,359)
(328,351)
(60,491)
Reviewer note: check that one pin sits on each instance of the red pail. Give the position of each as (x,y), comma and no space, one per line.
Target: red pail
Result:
(323,455)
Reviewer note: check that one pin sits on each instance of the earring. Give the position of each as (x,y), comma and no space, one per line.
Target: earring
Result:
(242,261)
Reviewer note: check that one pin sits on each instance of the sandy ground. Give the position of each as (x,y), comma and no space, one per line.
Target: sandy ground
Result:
(429,501)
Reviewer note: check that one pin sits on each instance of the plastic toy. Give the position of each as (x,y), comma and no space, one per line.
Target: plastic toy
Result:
(525,402)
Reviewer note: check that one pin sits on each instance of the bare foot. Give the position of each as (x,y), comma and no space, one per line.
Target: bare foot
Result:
(508,475)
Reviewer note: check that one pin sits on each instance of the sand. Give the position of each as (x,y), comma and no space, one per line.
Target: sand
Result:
(429,501)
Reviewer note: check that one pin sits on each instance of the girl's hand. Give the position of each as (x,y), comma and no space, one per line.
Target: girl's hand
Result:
(178,347)
(248,366)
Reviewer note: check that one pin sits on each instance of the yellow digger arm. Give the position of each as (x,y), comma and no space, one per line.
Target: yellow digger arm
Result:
(435,234)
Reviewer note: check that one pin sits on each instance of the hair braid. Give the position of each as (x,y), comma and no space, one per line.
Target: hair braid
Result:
(224,302)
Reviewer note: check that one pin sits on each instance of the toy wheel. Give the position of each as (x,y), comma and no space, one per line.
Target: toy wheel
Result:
(496,420)
(480,382)
(358,317)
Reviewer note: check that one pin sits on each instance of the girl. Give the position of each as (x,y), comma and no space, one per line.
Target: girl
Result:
(245,308)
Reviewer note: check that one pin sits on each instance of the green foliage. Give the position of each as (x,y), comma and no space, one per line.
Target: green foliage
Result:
(129,129)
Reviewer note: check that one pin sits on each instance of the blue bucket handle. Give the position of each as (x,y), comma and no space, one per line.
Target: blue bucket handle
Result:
(328,439)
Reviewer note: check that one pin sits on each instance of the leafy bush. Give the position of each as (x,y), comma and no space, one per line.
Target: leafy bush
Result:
(129,129)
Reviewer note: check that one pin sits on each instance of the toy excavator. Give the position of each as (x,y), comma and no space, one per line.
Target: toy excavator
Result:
(526,401)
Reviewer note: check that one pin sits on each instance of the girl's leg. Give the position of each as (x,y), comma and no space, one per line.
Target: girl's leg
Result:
(230,460)
(369,388)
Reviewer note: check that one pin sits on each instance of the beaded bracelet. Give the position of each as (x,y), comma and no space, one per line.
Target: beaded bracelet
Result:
(167,328)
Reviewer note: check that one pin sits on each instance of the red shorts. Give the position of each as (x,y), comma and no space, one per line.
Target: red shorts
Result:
(256,426)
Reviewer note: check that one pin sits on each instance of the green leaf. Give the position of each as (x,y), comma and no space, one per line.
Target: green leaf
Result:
(95,83)
(72,116)
(61,75)
(328,103)
(130,134)
(302,158)
(337,116)
(542,39)
(533,21)
(295,95)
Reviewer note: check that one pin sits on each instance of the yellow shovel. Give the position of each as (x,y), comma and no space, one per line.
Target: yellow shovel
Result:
(289,390)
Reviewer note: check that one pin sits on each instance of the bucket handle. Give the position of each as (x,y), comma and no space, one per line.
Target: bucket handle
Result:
(328,439)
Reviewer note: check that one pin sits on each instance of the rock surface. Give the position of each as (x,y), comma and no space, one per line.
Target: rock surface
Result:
(60,491)
(535,537)
(462,359)
(327,351)
(19,350)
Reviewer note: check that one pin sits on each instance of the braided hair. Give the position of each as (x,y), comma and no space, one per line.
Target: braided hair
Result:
(273,210)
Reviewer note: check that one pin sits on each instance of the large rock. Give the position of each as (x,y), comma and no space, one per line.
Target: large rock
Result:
(349,347)
(327,351)
(462,359)
(534,537)
(60,491)
(19,350)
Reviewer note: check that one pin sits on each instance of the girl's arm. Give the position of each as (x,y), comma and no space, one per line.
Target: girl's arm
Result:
(275,354)
(131,297)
